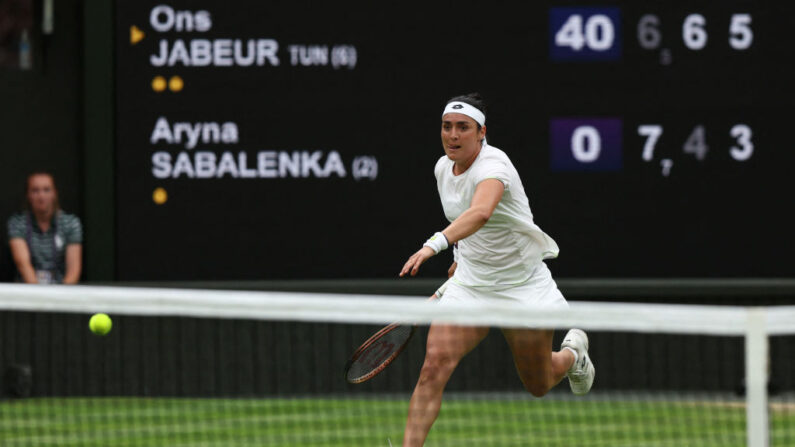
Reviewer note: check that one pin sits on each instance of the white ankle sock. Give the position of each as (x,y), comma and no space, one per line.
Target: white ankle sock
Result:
(576,356)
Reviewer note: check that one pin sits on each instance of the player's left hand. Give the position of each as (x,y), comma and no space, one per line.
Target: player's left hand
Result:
(412,266)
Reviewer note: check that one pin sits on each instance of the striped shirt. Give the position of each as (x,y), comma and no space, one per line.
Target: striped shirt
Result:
(47,249)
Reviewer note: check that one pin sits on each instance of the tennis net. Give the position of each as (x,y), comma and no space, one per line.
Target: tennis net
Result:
(201,367)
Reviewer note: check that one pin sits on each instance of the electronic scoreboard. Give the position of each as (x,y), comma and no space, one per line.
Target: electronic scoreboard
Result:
(263,140)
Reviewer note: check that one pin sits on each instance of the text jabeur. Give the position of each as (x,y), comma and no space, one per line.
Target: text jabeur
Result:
(216,52)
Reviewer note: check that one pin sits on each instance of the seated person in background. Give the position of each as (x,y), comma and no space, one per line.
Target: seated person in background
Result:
(45,242)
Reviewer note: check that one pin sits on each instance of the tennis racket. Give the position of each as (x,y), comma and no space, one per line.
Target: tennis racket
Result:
(381,349)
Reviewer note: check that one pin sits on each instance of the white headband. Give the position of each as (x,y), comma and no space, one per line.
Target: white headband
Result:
(465,109)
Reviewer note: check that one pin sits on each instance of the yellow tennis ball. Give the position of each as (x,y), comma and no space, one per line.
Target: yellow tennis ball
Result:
(100,324)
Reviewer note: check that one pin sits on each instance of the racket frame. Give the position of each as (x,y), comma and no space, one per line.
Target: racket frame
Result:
(369,342)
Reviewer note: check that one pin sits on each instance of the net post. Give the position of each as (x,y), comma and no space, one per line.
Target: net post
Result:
(756,359)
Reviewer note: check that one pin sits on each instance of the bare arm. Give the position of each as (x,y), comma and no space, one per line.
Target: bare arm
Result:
(21,255)
(74,263)
(484,201)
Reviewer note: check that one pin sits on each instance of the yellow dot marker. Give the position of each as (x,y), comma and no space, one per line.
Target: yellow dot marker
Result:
(159,84)
(159,196)
(176,83)
(136,35)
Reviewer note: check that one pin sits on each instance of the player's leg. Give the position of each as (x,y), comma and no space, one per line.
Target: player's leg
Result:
(538,366)
(446,346)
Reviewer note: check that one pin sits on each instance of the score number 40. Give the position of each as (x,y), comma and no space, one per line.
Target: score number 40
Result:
(597,33)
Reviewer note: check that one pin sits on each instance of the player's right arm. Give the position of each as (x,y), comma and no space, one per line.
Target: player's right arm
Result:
(487,195)
(21,255)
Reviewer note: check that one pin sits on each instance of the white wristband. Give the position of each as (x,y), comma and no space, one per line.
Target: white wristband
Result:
(437,242)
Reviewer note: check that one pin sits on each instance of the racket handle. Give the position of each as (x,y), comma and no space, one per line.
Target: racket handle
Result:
(440,291)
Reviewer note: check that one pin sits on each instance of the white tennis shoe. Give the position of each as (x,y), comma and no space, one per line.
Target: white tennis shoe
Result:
(582,372)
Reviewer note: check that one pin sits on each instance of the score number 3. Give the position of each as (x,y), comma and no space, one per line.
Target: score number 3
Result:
(743,135)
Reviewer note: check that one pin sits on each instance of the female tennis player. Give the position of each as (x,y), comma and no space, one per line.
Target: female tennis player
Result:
(500,256)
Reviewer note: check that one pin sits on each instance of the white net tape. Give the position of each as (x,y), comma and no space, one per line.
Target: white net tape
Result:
(325,307)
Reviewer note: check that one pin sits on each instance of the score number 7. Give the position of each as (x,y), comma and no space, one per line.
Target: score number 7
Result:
(652,133)
(742,152)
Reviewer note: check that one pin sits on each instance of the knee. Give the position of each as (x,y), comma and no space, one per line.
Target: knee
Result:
(537,390)
(536,387)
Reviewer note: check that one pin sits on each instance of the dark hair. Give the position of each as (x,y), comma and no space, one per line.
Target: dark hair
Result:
(474,99)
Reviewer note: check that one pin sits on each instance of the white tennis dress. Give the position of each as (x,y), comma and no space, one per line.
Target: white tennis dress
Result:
(504,258)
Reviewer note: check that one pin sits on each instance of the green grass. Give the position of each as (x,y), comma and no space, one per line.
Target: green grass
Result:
(464,421)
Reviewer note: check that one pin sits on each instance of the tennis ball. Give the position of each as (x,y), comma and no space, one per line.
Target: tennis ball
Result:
(100,324)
